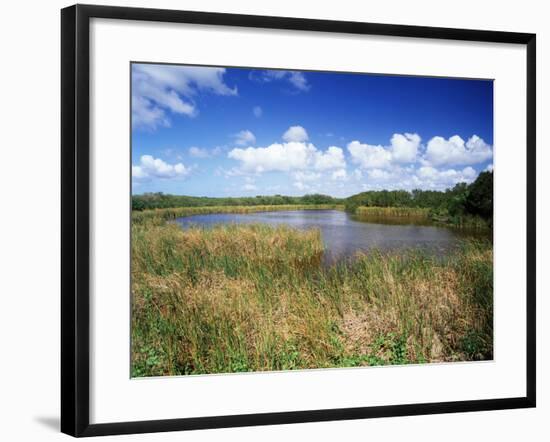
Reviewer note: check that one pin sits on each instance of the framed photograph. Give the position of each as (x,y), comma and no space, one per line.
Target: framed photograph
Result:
(272,220)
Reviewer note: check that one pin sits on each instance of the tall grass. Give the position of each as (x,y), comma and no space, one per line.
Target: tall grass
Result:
(253,297)
(393,212)
(139,217)
(421,216)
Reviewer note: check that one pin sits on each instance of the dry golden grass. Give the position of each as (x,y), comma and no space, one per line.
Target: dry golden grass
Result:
(251,298)
(158,216)
(393,212)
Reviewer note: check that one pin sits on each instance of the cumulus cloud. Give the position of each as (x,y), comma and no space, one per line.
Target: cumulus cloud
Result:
(244,137)
(489,168)
(287,157)
(455,151)
(332,158)
(295,78)
(306,176)
(379,175)
(150,167)
(406,149)
(276,157)
(433,176)
(158,90)
(401,164)
(257,111)
(411,177)
(369,156)
(403,148)
(295,133)
(339,174)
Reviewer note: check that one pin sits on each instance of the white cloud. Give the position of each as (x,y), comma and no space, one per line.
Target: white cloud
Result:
(300,185)
(296,78)
(158,89)
(138,172)
(306,176)
(368,156)
(257,111)
(299,81)
(244,137)
(433,178)
(232,172)
(150,167)
(332,158)
(287,157)
(305,164)
(404,147)
(339,174)
(489,168)
(411,177)
(430,178)
(276,157)
(379,175)
(455,151)
(399,165)
(295,133)
(172,152)
(249,187)
(469,173)
(198,152)
(145,114)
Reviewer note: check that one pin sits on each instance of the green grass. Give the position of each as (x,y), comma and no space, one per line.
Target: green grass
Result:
(238,298)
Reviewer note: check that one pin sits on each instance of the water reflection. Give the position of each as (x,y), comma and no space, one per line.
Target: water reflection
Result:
(344,234)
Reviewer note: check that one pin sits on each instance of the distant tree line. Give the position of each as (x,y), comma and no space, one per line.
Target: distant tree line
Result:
(475,199)
(160,200)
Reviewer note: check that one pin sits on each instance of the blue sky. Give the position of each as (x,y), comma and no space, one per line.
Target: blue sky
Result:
(208,131)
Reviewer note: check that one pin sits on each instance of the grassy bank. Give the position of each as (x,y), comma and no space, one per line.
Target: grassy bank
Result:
(471,222)
(250,298)
(422,215)
(140,217)
(393,212)
(393,215)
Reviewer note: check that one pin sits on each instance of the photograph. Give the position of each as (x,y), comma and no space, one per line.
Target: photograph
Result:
(285,219)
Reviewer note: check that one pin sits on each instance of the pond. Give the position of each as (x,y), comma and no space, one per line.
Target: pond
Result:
(344,234)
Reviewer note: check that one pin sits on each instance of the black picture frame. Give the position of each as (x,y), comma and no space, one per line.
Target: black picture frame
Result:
(75,225)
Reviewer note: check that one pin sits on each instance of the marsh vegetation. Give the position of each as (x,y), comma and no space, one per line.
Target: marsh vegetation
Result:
(255,297)
(219,297)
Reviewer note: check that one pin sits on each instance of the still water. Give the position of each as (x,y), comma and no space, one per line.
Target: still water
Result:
(344,234)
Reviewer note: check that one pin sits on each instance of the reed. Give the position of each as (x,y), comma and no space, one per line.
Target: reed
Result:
(393,212)
(139,217)
(239,298)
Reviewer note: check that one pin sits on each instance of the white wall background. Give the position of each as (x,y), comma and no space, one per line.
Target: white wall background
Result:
(29,219)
